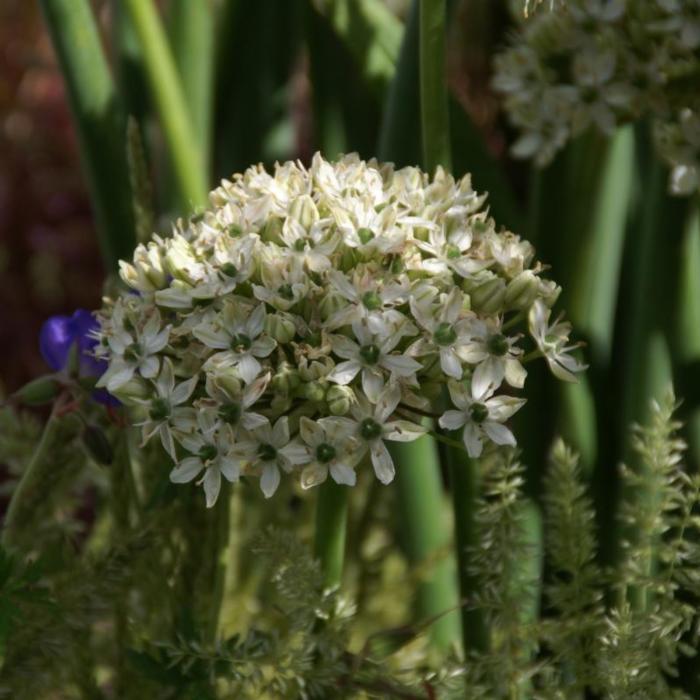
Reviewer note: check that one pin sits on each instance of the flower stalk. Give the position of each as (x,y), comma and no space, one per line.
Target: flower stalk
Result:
(331,529)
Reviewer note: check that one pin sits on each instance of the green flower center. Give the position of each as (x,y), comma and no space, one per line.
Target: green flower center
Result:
(370,429)
(453,252)
(234,230)
(301,244)
(370,354)
(286,292)
(267,452)
(479,413)
(229,269)
(445,334)
(160,409)
(133,352)
(325,452)
(371,301)
(208,452)
(497,344)
(365,235)
(230,413)
(314,339)
(240,342)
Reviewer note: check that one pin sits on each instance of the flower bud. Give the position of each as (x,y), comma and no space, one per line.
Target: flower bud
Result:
(270,232)
(339,399)
(304,211)
(280,404)
(330,304)
(227,381)
(315,391)
(280,326)
(549,292)
(39,391)
(522,290)
(286,379)
(135,389)
(487,292)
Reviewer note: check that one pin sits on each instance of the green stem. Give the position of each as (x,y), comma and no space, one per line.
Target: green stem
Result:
(331,527)
(434,111)
(219,531)
(173,110)
(464,483)
(424,534)
(29,492)
(99,121)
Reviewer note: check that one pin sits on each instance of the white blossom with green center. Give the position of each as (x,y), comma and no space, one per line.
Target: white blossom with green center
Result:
(313,311)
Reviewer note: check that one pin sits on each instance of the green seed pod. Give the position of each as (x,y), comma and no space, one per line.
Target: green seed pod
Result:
(487,293)
(286,380)
(97,445)
(39,391)
(315,391)
(339,399)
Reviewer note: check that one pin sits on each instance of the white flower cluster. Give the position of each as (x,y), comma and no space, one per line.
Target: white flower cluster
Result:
(311,315)
(601,63)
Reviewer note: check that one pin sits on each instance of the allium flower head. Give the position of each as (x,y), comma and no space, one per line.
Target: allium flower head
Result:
(309,316)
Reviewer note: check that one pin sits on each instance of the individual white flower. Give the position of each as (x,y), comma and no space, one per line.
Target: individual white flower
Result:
(371,426)
(210,451)
(449,251)
(371,300)
(237,332)
(165,406)
(552,341)
(481,416)
(284,282)
(495,355)
(134,351)
(447,333)
(263,449)
(232,403)
(311,248)
(146,274)
(324,448)
(371,355)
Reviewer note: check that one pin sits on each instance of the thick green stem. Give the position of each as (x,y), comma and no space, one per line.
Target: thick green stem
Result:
(331,527)
(99,122)
(464,483)
(434,111)
(424,534)
(181,139)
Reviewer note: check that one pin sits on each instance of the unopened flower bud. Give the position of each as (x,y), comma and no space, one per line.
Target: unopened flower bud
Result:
(339,399)
(522,290)
(487,293)
(270,232)
(330,304)
(280,326)
(315,391)
(280,403)
(134,390)
(39,391)
(304,211)
(227,381)
(286,379)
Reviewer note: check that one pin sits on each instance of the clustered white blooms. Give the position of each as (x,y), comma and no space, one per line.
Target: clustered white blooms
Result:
(310,315)
(601,63)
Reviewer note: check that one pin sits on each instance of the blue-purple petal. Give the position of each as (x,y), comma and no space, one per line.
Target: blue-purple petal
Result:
(55,340)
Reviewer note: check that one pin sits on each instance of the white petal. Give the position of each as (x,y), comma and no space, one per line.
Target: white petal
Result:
(149,367)
(372,383)
(452,420)
(216,339)
(343,474)
(311,432)
(263,346)
(472,440)
(117,376)
(344,372)
(251,421)
(382,462)
(248,367)
(498,433)
(503,407)
(212,485)
(488,374)
(296,453)
(230,468)
(450,363)
(401,365)
(344,347)
(405,431)
(255,390)
(255,324)
(388,401)
(313,475)
(269,479)
(183,391)
(515,373)
(186,470)
(280,432)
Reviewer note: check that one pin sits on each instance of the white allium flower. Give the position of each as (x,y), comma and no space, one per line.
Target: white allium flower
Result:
(481,415)
(552,341)
(291,327)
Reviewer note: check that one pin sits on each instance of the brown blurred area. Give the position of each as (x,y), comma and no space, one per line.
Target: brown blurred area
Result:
(49,261)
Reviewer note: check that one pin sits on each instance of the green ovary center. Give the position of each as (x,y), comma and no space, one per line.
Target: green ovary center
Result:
(160,409)
(444,334)
(267,452)
(325,452)
(240,342)
(479,413)
(133,352)
(497,344)
(370,354)
(453,252)
(370,429)
(208,452)
(230,413)
(286,292)
(229,269)
(365,235)
(371,301)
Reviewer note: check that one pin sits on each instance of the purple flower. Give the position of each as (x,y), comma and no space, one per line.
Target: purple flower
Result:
(57,337)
